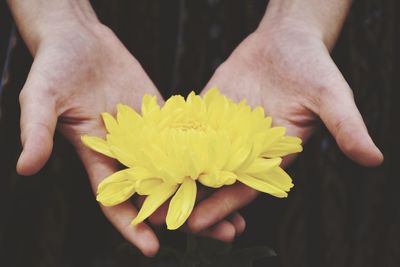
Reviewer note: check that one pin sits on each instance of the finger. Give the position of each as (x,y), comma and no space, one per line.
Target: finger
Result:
(224,231)
(141,235)
(221,230)
(339,113)
(38,122)
(219,205)
(158,217)
(238,222)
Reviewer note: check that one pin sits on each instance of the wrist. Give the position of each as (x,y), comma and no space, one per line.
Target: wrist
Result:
(41,20)
(310,17)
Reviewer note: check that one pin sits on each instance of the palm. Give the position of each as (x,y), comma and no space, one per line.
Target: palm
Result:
(285,80)
(293,77)
(73,79)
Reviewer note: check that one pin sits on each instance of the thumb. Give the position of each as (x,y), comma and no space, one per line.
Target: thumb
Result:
(340,114)
(38,122)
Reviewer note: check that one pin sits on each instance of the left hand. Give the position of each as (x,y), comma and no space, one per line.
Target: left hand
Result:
(289,72)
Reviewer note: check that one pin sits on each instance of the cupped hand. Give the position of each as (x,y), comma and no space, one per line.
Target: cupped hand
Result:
(289,72)
(76,75)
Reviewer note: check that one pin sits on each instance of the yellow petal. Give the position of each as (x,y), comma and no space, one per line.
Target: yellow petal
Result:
(217,179)
(110,123)
(261,185)
(120,148)
(227,177)
(149,104)
(161,194)
(238,157)
(98,145)
(211,95)
(173,103)
(258,113)
(277,177)
(291,140)
(117,177)
(140,173)
(181,204)
(256,149)
(115,193)
(147,186)
(261,165)
(127,118)
(268,121)
(283,146)
(272,135)
(116,188)
(209,180)
(190,97)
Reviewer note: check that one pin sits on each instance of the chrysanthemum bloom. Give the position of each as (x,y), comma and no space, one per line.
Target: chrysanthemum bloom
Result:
(210,140)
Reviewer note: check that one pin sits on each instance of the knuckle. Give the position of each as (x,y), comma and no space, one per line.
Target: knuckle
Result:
(323,92)
(226,205)
(156,220)
(251,193)
(46,93)
(247,193)
(230,232)
(23,95)
(326,90)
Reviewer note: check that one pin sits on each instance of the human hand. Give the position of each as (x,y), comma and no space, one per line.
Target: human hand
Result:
(81,69)
(286,68)
(76,75)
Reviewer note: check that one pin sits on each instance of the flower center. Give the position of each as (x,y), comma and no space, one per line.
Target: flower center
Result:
(189,125)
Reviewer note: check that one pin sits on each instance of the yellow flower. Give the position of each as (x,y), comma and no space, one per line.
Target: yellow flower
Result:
(211,140)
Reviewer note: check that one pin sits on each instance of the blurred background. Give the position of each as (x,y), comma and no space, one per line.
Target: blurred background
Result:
(338,215)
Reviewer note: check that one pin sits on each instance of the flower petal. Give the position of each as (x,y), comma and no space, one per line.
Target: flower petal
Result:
(261,185)
(212,94)
(110,123)
(227,177)
(116,188)
(147,186)
(127,118)
(181,204)
(120,148)
(209,179)
(261,165)
(271,136)
(277,177)
(173,103)
(149,104)
(98,145)
(283,146)
(161,193)
(238,157)
(115,193)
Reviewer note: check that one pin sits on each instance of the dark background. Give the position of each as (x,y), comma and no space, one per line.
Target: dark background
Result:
(338,215)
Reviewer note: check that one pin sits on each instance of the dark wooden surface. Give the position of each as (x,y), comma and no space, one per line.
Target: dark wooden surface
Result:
(338,215)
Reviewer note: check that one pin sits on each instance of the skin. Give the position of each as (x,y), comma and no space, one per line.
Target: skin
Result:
(288,71)
(285,67)
(81,69)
